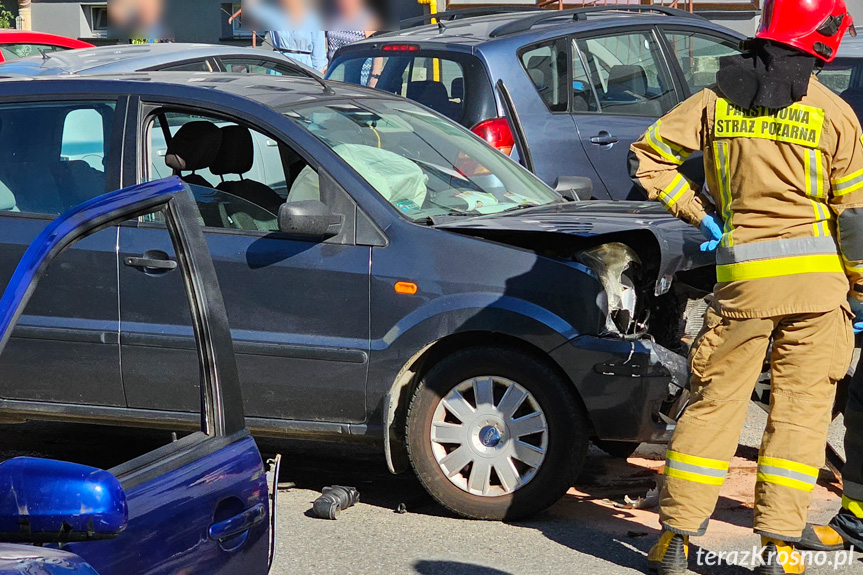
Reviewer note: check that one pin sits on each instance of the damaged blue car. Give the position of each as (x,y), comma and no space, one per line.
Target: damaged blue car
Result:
(203,503)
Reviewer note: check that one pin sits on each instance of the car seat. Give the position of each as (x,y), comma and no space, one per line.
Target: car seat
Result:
(433,94)
(194,147)
(628,78)
(236,155)
(456,89)
(540,70)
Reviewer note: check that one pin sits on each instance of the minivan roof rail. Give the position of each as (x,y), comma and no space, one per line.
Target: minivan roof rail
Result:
(529,21)
(450,15)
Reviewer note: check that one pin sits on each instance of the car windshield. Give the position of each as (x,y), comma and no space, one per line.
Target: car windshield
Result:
(422,164)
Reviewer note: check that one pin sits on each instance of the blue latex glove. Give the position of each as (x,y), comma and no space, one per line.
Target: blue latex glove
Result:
(711,228)
(857,310)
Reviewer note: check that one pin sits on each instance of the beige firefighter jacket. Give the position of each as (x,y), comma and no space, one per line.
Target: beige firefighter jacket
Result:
(788,185)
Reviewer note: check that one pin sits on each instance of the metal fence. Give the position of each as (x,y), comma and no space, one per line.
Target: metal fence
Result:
(561,4)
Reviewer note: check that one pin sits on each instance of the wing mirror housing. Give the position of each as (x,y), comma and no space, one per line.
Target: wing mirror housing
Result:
(574,188)
(309,219)
(47,501)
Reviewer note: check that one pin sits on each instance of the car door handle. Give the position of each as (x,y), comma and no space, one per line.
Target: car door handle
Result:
(238,524)
(151,263)
(603,139)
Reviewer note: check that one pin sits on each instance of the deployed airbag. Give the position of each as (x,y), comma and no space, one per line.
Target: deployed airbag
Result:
(400,181)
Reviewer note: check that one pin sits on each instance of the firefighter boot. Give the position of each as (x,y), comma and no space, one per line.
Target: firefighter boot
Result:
(669,555)
(844,530)
(821,538)
(779,558)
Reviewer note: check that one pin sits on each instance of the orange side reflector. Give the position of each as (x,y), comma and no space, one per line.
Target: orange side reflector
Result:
(408,288)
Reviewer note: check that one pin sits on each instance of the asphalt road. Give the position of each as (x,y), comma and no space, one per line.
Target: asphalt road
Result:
(582,534)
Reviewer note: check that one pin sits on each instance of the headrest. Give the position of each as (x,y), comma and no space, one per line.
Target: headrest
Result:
(237,152)
(194,146)
(456,87)
(427,91)
(628,77)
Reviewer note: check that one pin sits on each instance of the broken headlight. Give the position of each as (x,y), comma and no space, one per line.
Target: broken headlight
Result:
(615,265)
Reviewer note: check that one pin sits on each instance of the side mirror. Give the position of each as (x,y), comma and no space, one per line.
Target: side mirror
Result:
(309,218)
(574,188)
(46,501)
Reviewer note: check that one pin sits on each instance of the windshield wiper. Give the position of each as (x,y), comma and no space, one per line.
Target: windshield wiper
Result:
(522,206)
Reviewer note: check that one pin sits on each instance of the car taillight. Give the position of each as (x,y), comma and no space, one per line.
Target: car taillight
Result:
(497,133)
(400,47)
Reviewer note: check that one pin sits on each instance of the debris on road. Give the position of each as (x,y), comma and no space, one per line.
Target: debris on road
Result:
(333,500)
(649,501)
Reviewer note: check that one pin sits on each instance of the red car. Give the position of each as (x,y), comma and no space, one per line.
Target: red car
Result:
(16,44)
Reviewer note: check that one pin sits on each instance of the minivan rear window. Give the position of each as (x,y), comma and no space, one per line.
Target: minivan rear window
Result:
(438,83)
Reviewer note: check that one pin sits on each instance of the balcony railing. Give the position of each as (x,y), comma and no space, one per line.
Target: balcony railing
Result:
(561,4)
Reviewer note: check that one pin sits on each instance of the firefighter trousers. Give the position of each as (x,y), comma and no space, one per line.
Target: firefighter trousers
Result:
(810,353)
(850,522)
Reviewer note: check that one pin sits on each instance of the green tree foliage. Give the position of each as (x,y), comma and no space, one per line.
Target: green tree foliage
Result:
(7,19)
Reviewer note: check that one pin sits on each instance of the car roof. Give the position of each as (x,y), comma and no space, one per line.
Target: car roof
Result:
(851,48)
(487,29)
(278,92)
(10,35)
(128,58)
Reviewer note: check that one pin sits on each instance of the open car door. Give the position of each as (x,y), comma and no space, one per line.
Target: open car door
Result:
(198,505)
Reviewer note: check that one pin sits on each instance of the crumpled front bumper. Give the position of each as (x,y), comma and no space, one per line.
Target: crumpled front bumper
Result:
(633,390)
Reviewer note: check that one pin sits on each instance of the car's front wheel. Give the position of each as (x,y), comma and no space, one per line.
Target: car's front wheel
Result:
(494,433)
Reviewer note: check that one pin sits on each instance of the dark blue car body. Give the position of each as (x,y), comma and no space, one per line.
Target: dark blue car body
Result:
(197,505)
(326,348)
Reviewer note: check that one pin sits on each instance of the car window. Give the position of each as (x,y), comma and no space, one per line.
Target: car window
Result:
(422,164)
(53,156)
(583,94)
(843,74)
(255,66)
(438,83)
(627,74)
(16,51)
(194,66)
(547,68)
(699,55)
(240,176)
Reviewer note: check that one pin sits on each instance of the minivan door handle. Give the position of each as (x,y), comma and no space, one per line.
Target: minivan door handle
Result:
(238,524)
(603,139)
(152,261)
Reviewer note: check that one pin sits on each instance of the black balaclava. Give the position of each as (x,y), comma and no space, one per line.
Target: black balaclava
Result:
(767,74)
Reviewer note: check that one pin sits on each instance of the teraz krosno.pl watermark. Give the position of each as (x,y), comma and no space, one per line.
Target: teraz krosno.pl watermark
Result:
(755,557)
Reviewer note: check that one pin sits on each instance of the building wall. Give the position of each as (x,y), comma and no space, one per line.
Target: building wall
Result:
(61,17)
(197,20)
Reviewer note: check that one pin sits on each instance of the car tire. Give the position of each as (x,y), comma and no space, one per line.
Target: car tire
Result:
(512,489)
(621,449)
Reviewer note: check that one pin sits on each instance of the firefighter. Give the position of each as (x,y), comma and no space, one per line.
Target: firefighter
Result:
(846,527)
(783,208)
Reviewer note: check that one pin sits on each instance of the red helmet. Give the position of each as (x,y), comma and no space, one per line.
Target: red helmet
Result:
(814,26)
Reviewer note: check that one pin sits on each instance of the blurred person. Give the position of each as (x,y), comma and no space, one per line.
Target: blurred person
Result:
(137,20)
(353,15)
(295,29)
(371,70)
(239,14)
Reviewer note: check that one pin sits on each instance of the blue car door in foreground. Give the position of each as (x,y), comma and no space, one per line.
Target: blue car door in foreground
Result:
(198,505)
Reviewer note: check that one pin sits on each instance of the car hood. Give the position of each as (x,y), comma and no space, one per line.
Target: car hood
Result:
(678,242)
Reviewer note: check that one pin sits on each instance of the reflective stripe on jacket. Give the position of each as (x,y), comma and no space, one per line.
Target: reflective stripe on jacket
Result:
(788,185)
